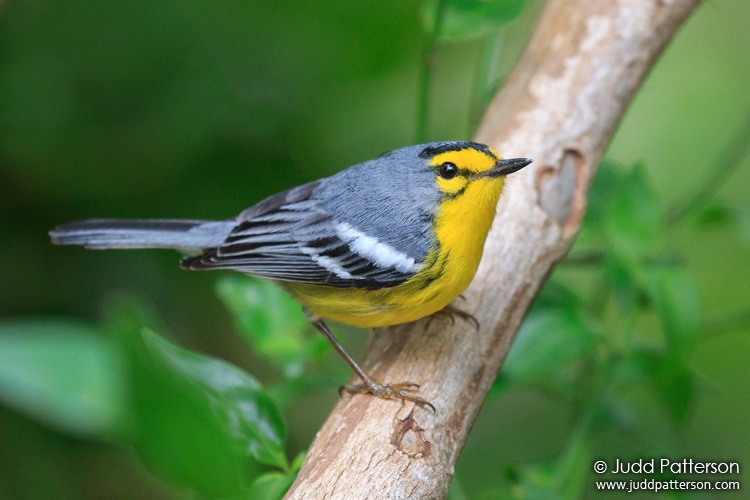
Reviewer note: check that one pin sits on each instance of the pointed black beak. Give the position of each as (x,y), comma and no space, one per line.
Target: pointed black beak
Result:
(505,167)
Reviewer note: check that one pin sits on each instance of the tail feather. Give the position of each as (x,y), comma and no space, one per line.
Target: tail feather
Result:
(143,233)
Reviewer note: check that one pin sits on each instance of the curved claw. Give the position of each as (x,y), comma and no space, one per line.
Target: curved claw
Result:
(452,311)
(389,391)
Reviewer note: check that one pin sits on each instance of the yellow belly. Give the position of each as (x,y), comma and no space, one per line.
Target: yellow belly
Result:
(404,303)
(461,229)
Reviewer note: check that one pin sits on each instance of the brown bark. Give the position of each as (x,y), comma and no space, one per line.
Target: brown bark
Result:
(560,106)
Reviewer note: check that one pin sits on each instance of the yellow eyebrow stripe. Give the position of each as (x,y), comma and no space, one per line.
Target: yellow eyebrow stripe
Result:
(468,159)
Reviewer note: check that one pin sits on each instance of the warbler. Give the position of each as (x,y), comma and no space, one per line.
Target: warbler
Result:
(384,242)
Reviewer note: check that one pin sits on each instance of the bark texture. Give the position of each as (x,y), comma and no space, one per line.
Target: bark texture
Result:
(560,106)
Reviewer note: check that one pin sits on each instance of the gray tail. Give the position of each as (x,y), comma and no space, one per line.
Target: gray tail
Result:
(143,233)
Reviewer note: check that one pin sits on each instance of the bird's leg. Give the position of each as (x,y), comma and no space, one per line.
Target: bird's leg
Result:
(400,391)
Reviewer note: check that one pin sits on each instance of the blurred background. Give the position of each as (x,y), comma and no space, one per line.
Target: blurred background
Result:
(199,109)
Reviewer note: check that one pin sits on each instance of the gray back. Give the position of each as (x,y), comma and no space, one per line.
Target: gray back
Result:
(392,198)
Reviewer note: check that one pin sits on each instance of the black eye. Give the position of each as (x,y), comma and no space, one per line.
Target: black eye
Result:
(448,170)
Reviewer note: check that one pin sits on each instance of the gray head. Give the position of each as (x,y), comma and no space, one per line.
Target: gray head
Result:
(403,189)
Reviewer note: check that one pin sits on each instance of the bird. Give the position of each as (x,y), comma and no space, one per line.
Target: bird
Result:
(384,242)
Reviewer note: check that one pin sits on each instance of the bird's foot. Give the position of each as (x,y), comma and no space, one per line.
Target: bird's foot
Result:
(453,312)
(403,391)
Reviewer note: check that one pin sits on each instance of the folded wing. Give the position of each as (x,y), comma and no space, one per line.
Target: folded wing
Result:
(291,237)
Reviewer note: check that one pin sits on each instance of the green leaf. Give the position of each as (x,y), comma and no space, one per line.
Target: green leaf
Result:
(633,218)
(236,398)
(547,342)
(603,189)
(270,486)
(670,378)
(676,298)
(199,421)
(532,482)
(271,320)
(556,294)
(63,373)
(179,436)
(623,277)
(572,468)
(463,19)
(298,461)
(719,213)
(715,214)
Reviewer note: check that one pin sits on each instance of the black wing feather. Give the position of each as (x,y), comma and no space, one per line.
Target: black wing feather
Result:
(290,237)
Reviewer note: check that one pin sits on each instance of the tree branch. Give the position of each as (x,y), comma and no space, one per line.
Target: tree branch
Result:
(560,106)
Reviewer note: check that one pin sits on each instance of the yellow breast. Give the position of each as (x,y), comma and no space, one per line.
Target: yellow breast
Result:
(461,227)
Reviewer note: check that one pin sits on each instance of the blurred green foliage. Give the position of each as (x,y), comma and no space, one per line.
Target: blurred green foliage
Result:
(271,321)
(636,346)
(65,373)
(591,351)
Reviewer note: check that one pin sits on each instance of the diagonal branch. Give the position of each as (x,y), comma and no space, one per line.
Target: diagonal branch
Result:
(560,106)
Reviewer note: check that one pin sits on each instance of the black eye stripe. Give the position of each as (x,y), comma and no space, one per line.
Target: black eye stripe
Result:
(451,196)
(448,170)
